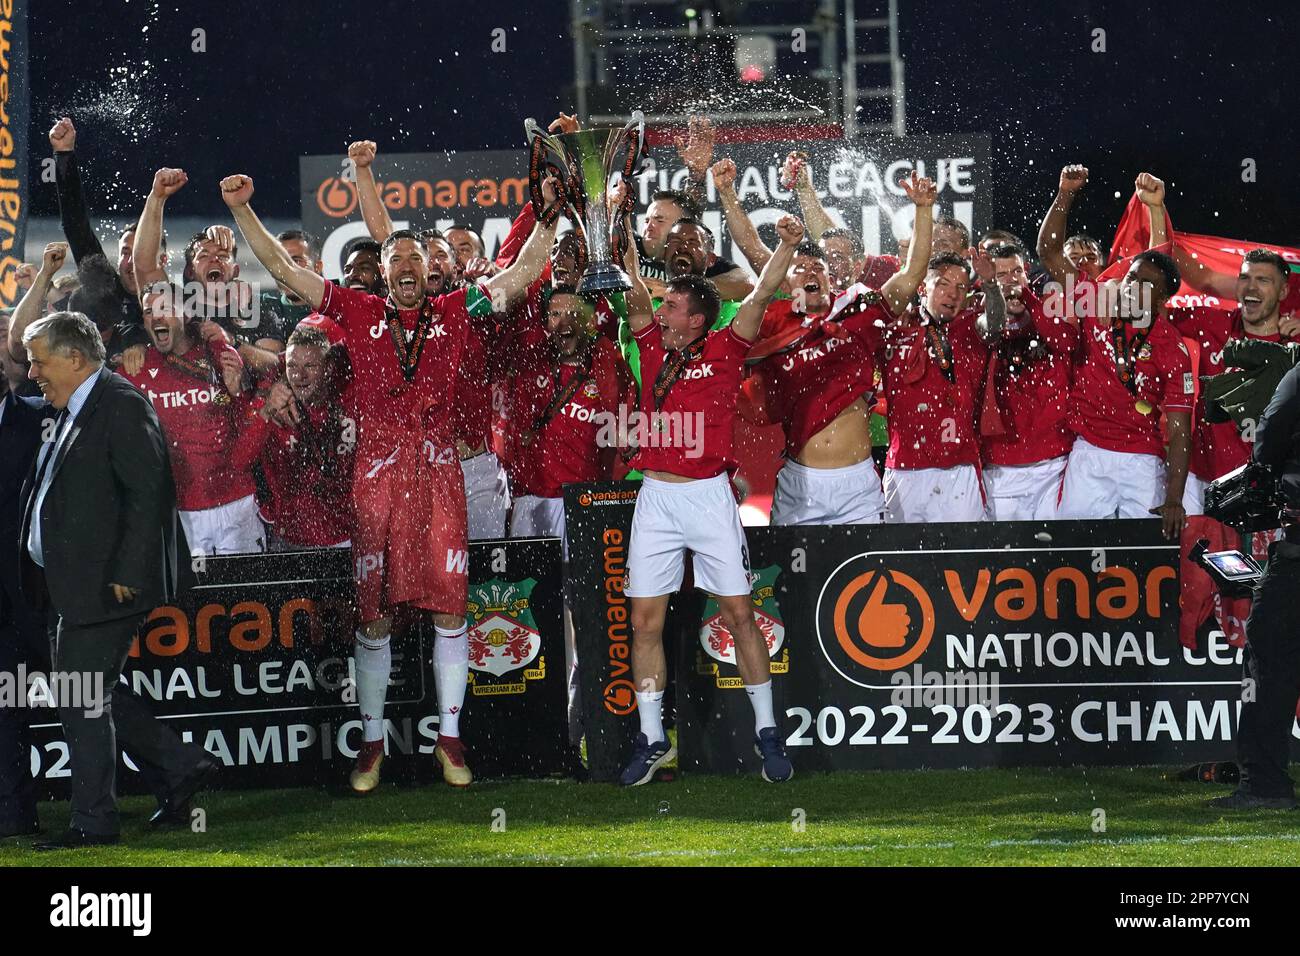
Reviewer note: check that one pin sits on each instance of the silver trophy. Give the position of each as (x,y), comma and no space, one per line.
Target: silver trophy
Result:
(587,164)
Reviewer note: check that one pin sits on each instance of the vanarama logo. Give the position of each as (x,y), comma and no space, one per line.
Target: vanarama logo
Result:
(337,198)
(599,498)
(872,616)
(620,697)
(876,618)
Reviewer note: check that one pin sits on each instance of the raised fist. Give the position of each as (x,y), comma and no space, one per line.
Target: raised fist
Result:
(920,189)
(696,147)
(362,153)
(724,174)
(237,190)
(55,255)
(794,171)
(63,135)
(790,229)
(1073,178)
(25,275)
(167,182)
(1150,189)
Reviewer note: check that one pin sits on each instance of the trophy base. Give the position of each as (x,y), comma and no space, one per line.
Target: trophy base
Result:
(604,278)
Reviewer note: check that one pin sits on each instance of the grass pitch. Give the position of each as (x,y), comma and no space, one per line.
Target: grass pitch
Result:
(920,818)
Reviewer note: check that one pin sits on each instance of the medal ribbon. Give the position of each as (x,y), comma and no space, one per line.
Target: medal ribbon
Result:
(203,370)
(941,349)
(672,369)
(1126,353)
(559,399)
(409,350)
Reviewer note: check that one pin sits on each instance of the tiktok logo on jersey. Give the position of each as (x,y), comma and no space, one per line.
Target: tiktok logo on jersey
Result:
(580,413)
(192,396)
(811,354)
(704,370)
(379,328)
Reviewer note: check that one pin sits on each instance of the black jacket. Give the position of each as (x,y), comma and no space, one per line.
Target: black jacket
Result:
(1277,443)
(20,437)
(109,516)
(74,216)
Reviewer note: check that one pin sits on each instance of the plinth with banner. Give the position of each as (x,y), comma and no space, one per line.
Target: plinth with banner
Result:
(255,665)
(908,646)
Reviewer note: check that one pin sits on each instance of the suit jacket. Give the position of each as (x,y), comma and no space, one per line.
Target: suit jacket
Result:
(20,437)
(109,516)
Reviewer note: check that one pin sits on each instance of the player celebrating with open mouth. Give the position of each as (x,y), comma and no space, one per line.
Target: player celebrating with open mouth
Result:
(814,366)
(410,540)
(686,502)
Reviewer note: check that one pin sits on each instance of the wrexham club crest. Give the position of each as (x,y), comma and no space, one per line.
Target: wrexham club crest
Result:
(716,644)
(503,637)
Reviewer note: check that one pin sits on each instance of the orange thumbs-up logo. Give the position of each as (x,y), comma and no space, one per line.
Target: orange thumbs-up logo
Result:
(883,619)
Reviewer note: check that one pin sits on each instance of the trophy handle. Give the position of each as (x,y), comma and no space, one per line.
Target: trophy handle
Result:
(547,156)
(626,153)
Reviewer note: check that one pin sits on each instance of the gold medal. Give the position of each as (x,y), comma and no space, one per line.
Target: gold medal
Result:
(1143,406)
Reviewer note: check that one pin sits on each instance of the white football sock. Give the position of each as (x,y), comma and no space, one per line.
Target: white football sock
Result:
(760,698)
(374,660)
(450,671)
(651,708)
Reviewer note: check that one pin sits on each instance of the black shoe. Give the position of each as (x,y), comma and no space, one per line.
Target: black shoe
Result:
(175,809)
(73,839)
(1241,800)
(19,829)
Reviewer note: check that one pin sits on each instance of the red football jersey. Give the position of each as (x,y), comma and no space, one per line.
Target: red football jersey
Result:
(1103,411)
(202,424)
(932,419)
(809,384)
(704,395)
(386,408)
(308,471)
(1032,388)
(567,449)
(1216,448)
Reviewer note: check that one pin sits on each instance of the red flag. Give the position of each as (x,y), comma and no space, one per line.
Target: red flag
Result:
(1133,234)
(1221,255)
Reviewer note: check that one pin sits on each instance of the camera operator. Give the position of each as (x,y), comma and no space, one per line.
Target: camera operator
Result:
(1271,682)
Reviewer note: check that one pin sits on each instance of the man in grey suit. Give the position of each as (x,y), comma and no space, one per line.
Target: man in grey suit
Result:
(100,547)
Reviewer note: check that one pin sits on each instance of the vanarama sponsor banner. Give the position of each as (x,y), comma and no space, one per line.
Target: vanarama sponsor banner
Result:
(14,167)
(856,182)
(485,189)
(1050,643)
(256,665)
(598,523)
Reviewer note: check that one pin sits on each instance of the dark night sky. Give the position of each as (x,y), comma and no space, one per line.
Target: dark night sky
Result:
(1187,90)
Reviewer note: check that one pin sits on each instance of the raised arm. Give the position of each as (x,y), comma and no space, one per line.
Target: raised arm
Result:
(510,284)
(696,151)
(236,191)
(74,217)
(33,302)
(1152,193)
(990,324)
(1051,235)
(815,216)
(378,222)
(640,307)
(148,233)
(899,288)
(739,224)
(750,314)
